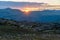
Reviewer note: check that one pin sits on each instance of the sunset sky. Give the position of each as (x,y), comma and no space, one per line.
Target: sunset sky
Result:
(54,2)
(47,4)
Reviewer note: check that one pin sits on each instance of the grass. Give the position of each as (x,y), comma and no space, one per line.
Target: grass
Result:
(9,33)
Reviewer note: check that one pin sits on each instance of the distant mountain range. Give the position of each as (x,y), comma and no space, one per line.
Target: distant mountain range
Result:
(35,16)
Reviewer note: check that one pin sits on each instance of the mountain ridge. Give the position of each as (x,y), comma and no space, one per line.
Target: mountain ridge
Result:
(34,16)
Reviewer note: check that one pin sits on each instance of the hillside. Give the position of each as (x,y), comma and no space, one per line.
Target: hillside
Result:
(35,16)
(21,30)
(39,25)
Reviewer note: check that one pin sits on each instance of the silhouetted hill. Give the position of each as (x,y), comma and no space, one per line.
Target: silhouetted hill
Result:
(35,16)
(10,13)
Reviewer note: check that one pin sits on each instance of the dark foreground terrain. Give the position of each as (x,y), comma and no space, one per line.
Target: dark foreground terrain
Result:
(14,30)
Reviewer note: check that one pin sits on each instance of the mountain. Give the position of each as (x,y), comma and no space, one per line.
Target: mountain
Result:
(35,16)
(45,16)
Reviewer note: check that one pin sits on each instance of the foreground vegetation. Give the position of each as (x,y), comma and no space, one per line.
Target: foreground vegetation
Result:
(14,30)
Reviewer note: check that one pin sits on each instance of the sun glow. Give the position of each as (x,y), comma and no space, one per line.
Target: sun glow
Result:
(27,10)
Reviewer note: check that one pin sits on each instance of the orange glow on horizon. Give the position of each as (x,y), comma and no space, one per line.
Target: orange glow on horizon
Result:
(27,10)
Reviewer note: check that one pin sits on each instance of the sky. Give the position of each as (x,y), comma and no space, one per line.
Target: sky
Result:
(52,2)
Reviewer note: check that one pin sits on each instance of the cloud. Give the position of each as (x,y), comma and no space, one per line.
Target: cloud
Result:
(55,2)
